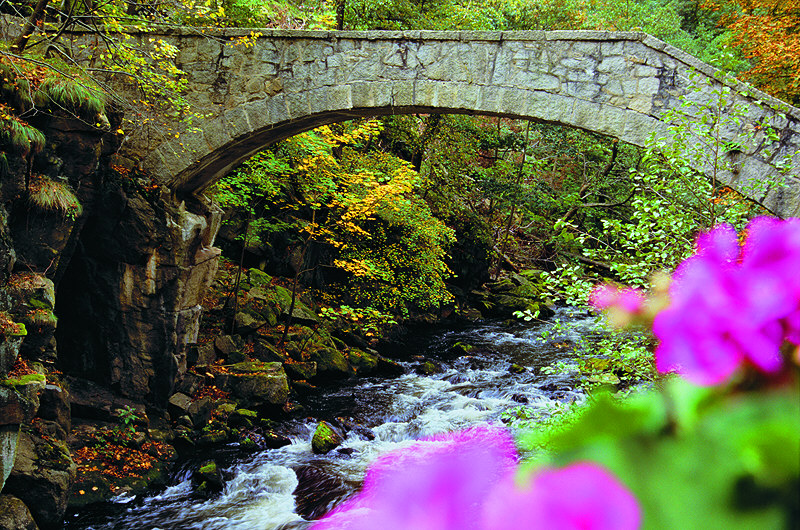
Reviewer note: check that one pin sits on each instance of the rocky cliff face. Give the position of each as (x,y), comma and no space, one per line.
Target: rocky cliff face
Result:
(130,299)
(104,284)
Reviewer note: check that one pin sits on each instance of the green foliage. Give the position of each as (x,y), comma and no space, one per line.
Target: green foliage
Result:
(369,320)
(127,418)
(53,196)
(332,189)
(693,457)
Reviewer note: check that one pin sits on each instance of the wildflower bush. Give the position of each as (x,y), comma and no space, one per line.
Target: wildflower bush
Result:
(714,445)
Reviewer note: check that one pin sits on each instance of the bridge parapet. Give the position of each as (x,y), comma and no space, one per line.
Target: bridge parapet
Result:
(258,86)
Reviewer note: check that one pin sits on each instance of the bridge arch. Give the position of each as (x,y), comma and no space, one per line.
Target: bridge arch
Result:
(281,83)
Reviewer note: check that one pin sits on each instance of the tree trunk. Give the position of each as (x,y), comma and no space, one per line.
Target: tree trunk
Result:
(22,41)
(340,15)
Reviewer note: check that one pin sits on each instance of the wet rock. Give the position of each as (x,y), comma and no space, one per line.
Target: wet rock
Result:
(14,515)
(389,368)
(365,433)
(9,434)
(428,368)
(209,474)
(346,451)
(316,491)
(274,440)
(460,348)
(42,477)
(326,438)
(517,369)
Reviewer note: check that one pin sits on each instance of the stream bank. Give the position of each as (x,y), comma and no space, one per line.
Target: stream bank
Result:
(285,487)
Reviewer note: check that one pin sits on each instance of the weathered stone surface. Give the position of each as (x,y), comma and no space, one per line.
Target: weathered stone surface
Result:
(615,83)
(331,363)
(9,351)
(256,383)
(19,399)
(178,405)
(14,515)
(42,477)
(300,370)
(364,362)
(326,438)
(128,302)
(92,401)
(54,405)
(9,434)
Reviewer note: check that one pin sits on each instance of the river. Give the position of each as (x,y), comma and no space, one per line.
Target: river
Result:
(469,389)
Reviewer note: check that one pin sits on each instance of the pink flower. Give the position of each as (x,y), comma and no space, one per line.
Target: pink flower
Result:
(730,305)
(582,496)
(465,481)
(607,296)
(438,484)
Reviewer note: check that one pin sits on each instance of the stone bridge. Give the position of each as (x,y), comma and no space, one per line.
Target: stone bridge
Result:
(130,300)
(260,87)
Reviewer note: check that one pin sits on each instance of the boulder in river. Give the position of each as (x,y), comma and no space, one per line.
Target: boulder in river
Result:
(207,479)
(326,438)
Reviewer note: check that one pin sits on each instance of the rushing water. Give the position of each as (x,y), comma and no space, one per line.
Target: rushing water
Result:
(260,488)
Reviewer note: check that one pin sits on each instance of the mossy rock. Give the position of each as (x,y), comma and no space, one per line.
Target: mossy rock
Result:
(255,382)
(243,418)
(266,352)
(461,348)
(259,278)
(428,368)
(331,363)
(326,438)
(363,362)
(516,369)
(300,371)
(213,437)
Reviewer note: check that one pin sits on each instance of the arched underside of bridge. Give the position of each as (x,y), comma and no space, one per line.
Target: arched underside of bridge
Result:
(616,84)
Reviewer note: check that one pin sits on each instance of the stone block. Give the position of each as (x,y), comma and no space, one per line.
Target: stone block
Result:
(236,122)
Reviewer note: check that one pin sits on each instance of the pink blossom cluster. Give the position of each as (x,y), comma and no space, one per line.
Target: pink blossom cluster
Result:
(729,304)
(733,304)
(467,480)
